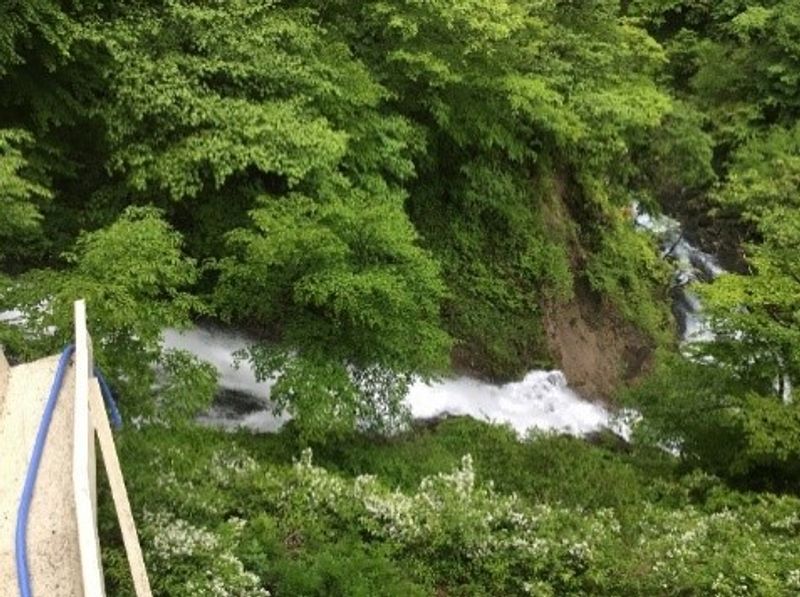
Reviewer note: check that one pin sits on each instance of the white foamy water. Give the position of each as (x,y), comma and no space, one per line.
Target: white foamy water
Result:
(262,420)
(217,347)
(542,400)
(13,317)
(691,265)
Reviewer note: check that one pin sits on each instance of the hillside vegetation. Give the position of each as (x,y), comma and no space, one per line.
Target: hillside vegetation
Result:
(391,189)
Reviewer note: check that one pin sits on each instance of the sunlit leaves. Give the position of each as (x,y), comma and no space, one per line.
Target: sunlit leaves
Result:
(625,270)
(20,196)
(202,93)
(134,278)
(343,282)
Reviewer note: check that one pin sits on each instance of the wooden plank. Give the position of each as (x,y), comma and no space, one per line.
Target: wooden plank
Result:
(120,495)
(92,461)
(5,371)
(83,464)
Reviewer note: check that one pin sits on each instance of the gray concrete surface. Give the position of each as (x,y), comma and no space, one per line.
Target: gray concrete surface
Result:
(52,531)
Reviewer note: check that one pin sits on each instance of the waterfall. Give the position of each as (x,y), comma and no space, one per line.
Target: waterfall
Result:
(542,400)
(690,264)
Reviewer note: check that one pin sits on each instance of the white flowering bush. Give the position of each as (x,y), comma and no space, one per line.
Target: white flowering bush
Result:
(220,518)
(176,543)
(455,527)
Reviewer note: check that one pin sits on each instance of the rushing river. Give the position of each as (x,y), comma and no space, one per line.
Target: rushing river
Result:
(542,400)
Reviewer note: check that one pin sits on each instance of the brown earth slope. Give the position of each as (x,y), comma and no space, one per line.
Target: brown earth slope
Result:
(596,349)
(586,337)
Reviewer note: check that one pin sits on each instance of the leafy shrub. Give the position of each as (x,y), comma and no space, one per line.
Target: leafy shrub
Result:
(134,278)
(627,271)
(721,420)
(216,518)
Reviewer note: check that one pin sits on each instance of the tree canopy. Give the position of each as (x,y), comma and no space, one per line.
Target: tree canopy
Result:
(379,189)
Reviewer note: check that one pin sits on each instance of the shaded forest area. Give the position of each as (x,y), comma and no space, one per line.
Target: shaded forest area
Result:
(378,188)
(396,188)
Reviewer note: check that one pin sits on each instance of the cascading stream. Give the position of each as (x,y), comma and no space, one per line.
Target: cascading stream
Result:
(691,264)
(542,400)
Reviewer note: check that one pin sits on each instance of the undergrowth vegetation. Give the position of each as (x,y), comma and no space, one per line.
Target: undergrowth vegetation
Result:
(386,190)
(460,508)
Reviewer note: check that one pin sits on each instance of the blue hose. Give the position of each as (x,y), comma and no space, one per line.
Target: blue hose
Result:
(21,547)
(21,537)
(108,397)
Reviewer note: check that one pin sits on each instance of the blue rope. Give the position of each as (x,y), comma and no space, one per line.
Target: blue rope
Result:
(21,547)
(21,539)
(108,397)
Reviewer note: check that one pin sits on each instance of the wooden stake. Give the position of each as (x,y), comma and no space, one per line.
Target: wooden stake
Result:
(83,464)
(118,492)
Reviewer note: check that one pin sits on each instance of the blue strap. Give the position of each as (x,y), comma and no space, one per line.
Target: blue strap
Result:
(108,398)
(21,536)
(21,543)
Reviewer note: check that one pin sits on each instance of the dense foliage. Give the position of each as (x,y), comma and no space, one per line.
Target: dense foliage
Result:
(21,197)
(368,186)
(244,515)
(388,189)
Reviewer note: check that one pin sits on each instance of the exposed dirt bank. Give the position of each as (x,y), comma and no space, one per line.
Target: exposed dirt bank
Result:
(586,337)
(597,350)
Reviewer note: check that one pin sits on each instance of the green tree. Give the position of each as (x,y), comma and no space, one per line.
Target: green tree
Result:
(757,314)
(524,105)
(21,196)
(134,277)
(341,279)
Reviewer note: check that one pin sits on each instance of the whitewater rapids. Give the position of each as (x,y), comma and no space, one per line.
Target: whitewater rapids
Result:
(542,400)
